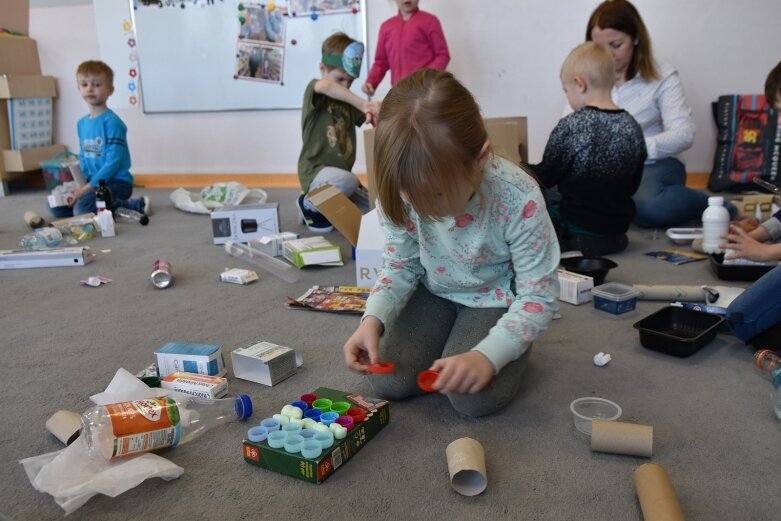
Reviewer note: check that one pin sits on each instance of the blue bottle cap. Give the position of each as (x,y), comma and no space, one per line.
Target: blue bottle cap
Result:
(301,405)
(257,434)
(243,406)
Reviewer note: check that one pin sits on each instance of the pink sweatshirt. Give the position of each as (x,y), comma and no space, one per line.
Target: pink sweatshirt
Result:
(406,46)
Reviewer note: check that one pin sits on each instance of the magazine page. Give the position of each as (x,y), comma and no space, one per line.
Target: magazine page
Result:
(335,299)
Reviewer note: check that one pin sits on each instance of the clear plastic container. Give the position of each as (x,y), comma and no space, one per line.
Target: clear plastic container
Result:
(590,408)
(276,267)
(42,239)
(614,298)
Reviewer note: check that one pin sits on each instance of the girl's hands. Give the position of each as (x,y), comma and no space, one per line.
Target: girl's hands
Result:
(363,347)
(467,373)
(743,246)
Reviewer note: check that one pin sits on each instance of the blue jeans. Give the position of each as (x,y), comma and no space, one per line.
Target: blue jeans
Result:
(345,181)
(120,197)
(758,308)
(663,200)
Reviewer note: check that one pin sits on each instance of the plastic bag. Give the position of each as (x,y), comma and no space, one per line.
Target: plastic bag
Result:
(216,196)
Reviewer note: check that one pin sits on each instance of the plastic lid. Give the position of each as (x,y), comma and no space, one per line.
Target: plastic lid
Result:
(382,368)
(615,291)
(243,406)
(426,380)
(715,200)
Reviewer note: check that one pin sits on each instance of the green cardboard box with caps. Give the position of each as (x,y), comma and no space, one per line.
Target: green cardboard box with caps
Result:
(317,470)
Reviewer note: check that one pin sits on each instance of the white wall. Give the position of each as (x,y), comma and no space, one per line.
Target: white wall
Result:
(508,52)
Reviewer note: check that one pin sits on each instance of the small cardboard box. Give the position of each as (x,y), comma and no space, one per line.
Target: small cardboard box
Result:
(343,214)
(192,358)
(244,222)
(19,55)
(574,287)
(264,362)
(319,469)
(273,244)
(200,385)
(368,252)
(312,251)
(508,136)
(29,158)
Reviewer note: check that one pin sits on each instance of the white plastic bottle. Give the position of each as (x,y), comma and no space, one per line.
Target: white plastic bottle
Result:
(121,429)
(715,223)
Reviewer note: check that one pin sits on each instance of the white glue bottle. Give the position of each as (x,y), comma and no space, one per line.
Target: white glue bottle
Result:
(715,223)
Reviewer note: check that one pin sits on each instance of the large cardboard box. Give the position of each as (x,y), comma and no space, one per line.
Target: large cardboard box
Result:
(509,138)
(28,159)
(15,16)
(341,211)
(19,55)
(319,469)
(244,222)
(368,251)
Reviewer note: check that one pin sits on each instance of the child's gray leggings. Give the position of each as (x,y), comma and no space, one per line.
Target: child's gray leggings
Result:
(430,327)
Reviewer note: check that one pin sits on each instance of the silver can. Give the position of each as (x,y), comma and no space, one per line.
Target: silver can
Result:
(161,274)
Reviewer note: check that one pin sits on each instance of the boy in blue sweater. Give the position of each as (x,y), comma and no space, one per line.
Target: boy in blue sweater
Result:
(104,154)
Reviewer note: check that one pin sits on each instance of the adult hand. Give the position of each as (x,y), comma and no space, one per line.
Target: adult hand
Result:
(363,347)
(743,246)
(466,373)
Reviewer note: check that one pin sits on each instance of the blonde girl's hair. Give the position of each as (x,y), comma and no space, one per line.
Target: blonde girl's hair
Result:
(96,68)
(594,62)
(623,16)
(428,141)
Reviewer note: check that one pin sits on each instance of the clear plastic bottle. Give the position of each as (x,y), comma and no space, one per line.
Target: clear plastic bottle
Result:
(42,239)
(776,396)
(769,363)
(121,429)
(126,214)
(715,223)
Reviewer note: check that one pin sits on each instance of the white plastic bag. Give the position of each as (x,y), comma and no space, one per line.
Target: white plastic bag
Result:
(216,196)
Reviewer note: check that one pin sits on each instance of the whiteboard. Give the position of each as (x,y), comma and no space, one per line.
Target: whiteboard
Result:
(197,55)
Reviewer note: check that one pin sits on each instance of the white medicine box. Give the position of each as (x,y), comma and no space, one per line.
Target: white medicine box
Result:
(574,288)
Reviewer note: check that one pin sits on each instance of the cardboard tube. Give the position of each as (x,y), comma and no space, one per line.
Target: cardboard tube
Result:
(656,494)
(622,438)
(466,464)
(670,292)
(65,426)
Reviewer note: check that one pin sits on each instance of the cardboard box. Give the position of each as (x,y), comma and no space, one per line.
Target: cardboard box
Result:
(16,16)
(192,358)
(193,384)
(319,469)
(509,138)
(312,251)
(368,252)
(244,222)
(28,86)
(264,362)
(29,158)
(341,211)
(574,287)
(273,244)
(19,55)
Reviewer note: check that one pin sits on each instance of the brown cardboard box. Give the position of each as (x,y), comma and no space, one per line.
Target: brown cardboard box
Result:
(27,86)
(343,214)
(15,16)
(29,158)
(19,55)
(509,138)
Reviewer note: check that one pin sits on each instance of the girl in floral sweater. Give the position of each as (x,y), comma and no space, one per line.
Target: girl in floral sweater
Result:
(469,272)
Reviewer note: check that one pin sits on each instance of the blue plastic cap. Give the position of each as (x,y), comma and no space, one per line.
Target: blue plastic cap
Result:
(301,405)
(243,406)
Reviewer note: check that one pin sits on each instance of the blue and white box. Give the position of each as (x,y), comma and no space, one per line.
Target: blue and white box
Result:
(191,358)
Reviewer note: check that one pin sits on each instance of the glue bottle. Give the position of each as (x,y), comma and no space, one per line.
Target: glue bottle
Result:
(770,364)
(126,428)
(715,223)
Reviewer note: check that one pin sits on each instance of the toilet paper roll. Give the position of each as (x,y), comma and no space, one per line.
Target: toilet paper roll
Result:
(466,464)
(656,494)
(65,426)
(622,438)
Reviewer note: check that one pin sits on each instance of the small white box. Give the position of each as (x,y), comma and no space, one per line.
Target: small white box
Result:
(244,222)
(368,252)
(200,385)
(574,287)
(311,251)
(191,358)
(273,244)
(264,362)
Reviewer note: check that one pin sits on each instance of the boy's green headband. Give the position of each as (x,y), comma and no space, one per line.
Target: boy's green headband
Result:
(350,60)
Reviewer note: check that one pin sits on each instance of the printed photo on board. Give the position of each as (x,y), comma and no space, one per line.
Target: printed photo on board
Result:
(259,62)
(306,7)
(262,25)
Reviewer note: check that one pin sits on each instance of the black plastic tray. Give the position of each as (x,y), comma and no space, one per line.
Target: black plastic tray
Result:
(736,271)
(677,331)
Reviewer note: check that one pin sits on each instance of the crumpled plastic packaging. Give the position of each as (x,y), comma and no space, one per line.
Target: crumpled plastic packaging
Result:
(601,359)
(72,477)
(216,196)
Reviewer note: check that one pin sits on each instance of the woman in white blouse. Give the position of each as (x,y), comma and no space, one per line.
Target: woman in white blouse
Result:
(653,94)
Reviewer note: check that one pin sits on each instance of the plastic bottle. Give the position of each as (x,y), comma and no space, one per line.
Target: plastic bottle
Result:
(121,429)
(42,239)
(126,214)
(715,223)
(769,363)
(103,197)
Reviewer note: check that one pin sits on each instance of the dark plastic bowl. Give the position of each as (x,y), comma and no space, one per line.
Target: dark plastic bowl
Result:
(678,331)
(596,267)
(746,273)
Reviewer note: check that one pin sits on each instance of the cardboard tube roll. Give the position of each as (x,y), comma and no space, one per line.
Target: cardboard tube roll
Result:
(670,292)
(656,494)
(65,426)
(622,438)
(466,464)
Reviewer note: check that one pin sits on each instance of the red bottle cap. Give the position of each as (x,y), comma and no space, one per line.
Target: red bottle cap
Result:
(426,380)
(382,368)
(357,414)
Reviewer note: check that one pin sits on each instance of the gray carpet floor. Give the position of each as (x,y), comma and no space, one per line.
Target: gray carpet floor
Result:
(714,429)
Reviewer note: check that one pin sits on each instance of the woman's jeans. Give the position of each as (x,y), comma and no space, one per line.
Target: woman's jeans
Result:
(758,308)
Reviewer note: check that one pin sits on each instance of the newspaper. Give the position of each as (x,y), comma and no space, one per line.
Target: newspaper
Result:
(334,299)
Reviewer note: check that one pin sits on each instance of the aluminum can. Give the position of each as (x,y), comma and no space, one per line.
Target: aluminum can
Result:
(161,274)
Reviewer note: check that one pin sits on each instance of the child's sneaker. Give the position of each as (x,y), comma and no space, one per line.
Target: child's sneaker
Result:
(147,206)
(315,221)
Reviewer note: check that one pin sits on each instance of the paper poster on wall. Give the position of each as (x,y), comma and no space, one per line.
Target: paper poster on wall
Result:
(314,8)
(117,43)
